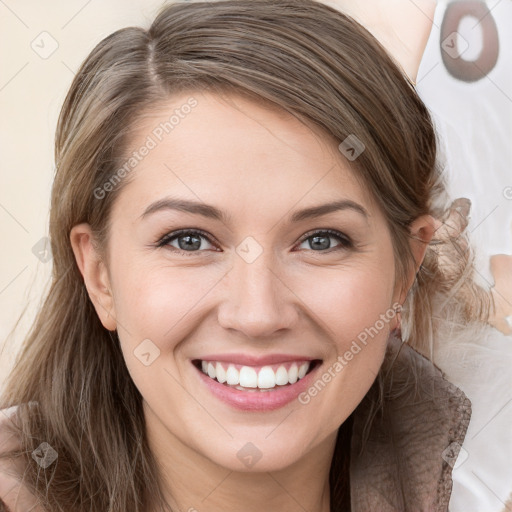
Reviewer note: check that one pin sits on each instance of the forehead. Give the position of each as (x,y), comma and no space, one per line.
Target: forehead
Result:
(234,149)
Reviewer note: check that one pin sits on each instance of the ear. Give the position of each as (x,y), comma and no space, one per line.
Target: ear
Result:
(94,272)
(421,231)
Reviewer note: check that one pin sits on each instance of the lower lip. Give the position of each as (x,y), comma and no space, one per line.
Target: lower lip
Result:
(258,400)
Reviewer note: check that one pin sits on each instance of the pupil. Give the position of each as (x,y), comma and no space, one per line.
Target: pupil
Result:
(319,245)
(188,244)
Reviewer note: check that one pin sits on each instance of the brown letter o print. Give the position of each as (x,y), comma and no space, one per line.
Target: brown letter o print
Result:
(470,71)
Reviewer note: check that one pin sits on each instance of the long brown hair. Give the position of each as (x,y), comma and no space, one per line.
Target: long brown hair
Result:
(70,380)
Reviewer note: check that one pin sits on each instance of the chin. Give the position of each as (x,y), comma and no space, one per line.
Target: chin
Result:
(255,454)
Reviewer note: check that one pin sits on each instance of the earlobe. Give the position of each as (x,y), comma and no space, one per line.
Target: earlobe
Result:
(95,274)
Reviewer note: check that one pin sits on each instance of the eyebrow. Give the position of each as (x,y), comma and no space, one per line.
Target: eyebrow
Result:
(211,212)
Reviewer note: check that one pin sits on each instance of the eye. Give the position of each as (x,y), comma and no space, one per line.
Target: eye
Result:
(319,240)
(188,241)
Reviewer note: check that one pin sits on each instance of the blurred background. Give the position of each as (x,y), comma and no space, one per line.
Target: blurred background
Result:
(465,79)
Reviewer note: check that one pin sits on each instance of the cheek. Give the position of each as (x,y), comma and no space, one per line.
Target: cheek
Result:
(160,302)
(349,300)
(354,305)
(156,308)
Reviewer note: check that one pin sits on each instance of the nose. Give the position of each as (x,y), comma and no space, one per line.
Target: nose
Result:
(257,302)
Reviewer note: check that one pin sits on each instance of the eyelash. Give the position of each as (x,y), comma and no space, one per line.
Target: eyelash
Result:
(346,242)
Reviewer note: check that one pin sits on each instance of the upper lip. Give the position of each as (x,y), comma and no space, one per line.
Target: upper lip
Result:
(248,360)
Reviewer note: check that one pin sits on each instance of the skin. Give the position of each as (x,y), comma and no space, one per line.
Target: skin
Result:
(258,165)
(501,268)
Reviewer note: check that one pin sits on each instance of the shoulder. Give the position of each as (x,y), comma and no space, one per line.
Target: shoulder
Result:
(14,497)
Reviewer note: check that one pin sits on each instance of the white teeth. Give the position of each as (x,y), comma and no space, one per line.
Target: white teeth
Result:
(247,377)
(266,378)
(293,374)
(221,374)
(281,376)
(232,376)
(303,370)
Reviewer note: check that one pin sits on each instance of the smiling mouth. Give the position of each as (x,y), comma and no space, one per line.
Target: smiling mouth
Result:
(250,378)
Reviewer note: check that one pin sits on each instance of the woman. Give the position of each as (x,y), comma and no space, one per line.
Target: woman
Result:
(247,196)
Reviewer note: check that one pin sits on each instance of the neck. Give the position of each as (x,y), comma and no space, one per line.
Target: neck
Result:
(192,482)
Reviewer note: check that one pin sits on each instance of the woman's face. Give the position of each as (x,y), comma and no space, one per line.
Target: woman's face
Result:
(218,258)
